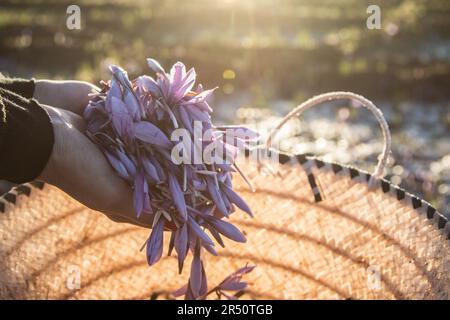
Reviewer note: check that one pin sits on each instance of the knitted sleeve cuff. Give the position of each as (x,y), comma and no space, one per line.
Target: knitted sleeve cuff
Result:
(26,138)
(22,87)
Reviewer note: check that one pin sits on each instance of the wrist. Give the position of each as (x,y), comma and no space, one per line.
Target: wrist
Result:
(48,173)
(27,141)
(65,125)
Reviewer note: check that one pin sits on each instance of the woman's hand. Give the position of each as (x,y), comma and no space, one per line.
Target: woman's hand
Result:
(76,165)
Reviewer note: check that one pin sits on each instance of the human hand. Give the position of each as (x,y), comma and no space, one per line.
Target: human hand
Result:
(76,165)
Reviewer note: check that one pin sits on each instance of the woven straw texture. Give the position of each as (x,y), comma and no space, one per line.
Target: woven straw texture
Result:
(352,244)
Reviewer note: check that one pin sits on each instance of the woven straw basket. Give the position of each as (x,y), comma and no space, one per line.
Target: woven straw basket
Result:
(319,232)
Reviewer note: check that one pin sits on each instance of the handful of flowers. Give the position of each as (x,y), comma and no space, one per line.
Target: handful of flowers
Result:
(186,185)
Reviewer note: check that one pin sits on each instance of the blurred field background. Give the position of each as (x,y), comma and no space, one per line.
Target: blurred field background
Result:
(267,56)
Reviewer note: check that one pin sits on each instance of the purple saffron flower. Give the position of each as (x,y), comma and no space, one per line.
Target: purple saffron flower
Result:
(121,119)
(117,165)
(210,249)
(199,98)
(150,170)
(204,286)
(217,236)
(236,199)
(233,281)
(175,85)
(177,196)
(155,66)
(171,243)
(180,82)
(195,228)
(133,105)
(149,133)
(114,91)
(141,197)
(197,285)
(186,119)
(195,279)
(214,192)
(149,84)
(225,228)
(155,243)
(161,173)
(233,286)
(128,163)
(197,114)
(181,245)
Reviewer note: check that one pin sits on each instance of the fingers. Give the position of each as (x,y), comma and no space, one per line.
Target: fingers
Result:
(70,95)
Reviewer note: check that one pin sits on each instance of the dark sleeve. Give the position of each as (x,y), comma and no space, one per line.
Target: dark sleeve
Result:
(21,87)
(26,136)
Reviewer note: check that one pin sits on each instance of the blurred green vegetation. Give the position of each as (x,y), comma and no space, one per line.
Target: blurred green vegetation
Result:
(281,48)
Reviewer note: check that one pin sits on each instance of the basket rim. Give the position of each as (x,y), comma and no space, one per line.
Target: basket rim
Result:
(309,161)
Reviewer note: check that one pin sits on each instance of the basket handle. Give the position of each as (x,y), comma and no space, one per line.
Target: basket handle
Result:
(329,96)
